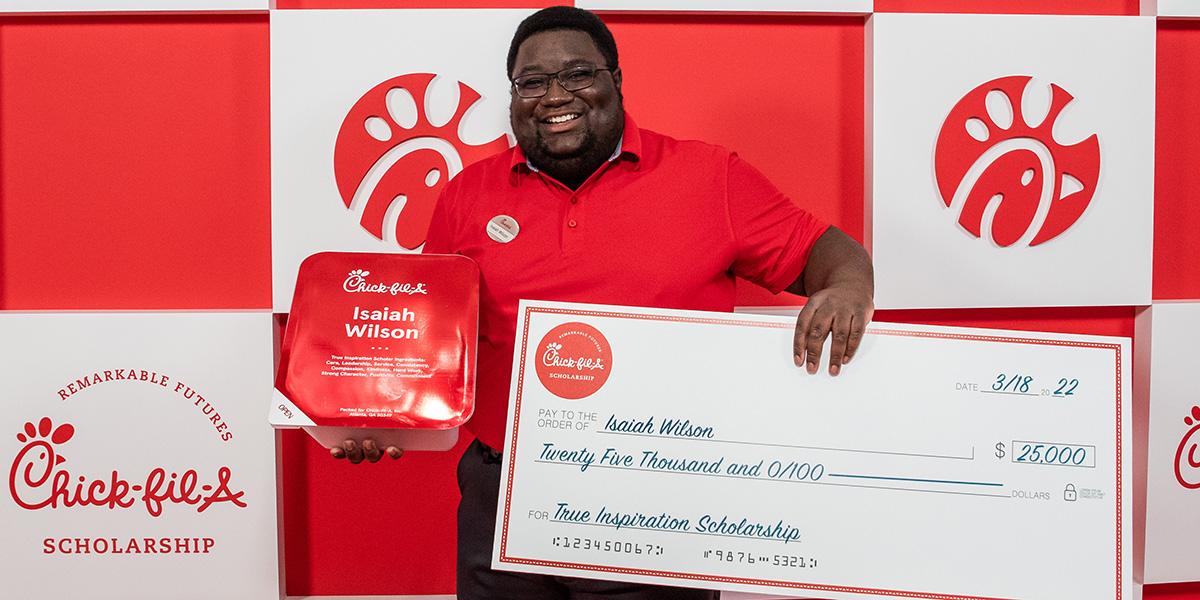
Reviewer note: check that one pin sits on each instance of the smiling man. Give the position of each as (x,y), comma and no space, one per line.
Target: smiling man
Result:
(588,207)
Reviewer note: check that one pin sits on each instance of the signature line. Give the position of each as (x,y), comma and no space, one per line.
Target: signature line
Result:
(885,478)
(830,449)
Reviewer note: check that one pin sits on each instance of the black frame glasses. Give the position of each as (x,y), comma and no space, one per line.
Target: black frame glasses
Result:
(572,79)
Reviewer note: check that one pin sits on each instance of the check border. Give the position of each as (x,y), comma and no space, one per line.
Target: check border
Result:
(512,446)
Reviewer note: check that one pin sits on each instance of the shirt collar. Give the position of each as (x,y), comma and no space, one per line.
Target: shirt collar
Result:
(629,145)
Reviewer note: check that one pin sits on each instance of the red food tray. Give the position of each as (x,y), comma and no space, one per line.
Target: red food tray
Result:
(384,342)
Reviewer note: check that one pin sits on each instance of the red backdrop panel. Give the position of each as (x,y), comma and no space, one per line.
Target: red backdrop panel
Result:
(416,3)
(1177,591)
(1177,150)
(791,103)
(134,163)
(1052,7)
(369,529)
(1103,320)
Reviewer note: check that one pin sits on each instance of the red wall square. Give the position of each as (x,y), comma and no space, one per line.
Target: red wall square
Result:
(134,162)
(790,103)
(1177,163)
(1049,7)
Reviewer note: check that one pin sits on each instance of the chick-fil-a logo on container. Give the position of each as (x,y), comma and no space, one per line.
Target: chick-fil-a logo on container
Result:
(39,479)
(391,158)
(574,360)
(356,283)
(1006,179)
(1187,457)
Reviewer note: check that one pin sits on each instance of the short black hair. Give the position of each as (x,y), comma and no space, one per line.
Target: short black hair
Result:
(565,17)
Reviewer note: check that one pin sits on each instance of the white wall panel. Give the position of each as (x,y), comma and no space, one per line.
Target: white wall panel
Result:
(1054,114)
(1171,9)
(142,466)
(335,97)
(798,6)
(1167,331)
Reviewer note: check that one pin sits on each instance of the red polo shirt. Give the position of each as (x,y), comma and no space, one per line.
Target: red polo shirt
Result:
(666,223)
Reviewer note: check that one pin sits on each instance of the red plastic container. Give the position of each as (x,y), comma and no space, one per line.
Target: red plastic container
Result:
(380,346)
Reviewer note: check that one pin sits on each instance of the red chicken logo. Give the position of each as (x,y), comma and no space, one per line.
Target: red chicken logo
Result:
(391,161)
(1187,456)
(1006,179)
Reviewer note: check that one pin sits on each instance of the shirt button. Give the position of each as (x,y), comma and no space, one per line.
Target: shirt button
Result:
(574,200)
(571,223)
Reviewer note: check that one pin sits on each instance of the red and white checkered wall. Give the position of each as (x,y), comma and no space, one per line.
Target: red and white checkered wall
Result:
(137,174)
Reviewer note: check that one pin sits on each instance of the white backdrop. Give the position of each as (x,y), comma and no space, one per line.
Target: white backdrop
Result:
(921,65)
(151,400)
(322,62)
(1168,330)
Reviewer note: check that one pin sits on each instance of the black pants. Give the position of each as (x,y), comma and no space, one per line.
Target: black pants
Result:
(479,483)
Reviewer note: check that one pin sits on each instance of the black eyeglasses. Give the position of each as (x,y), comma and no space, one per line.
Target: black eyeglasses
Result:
(573,79)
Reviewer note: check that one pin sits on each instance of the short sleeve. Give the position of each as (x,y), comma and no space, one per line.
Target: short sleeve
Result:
(440,238)
(773,236)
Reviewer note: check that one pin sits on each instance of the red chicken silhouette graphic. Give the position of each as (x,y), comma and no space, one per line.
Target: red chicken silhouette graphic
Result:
(391,168)
(1007,179)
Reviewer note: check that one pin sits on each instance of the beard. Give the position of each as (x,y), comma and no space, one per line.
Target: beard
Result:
(573,168)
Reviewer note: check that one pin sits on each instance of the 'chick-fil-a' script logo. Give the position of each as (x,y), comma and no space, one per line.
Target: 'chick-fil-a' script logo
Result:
(39,480)
(356,282)
(575,360)
(1187,457)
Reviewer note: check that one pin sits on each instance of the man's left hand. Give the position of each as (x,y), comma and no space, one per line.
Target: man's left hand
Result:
(841,312)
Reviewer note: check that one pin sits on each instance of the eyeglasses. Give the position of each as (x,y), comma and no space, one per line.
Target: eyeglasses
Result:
(573,79)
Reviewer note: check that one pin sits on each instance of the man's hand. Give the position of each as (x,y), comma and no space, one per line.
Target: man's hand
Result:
(840,284)
(842,312)
(369,450)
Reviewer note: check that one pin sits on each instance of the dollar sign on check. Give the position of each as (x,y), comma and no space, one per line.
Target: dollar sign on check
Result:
(999,449)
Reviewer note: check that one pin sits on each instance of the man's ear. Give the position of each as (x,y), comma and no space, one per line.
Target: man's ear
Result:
(616,75)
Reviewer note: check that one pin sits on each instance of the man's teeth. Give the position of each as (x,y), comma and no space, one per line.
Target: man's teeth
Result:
(562,118)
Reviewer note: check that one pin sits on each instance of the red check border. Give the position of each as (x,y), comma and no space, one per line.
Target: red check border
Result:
(512,449)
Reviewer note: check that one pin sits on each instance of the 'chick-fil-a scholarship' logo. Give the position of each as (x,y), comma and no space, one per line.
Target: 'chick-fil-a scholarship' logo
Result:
(391,160)
(356,283)
(41,478)
(1187,457)
(573,360)
(1006,179)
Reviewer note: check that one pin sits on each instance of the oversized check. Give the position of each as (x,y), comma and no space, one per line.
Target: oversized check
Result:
(686,448)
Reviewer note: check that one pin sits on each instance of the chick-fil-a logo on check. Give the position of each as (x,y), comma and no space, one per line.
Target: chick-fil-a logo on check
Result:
(1187,457)
(574,360)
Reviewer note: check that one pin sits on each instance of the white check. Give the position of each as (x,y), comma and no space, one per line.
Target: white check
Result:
(943,463)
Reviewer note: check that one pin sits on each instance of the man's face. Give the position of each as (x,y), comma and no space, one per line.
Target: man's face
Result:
(593,115)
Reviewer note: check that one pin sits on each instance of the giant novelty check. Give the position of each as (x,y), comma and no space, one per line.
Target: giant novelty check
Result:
(686,449)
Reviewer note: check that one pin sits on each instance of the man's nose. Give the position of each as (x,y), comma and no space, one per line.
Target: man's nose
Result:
(557,95)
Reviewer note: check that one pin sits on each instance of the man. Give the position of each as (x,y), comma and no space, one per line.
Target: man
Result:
(590,208)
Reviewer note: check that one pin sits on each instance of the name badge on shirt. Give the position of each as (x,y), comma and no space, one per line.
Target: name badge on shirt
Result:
(503,228)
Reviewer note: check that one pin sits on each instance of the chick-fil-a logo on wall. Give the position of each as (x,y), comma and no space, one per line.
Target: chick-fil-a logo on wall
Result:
(1187,457)
(391,160)
(38,479)
(574,360)
(41,478)
(356,283)
(1001,172)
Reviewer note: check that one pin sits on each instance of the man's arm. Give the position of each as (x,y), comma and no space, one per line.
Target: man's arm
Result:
(840,284)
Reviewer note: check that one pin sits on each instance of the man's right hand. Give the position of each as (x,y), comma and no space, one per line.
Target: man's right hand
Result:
(369,450)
